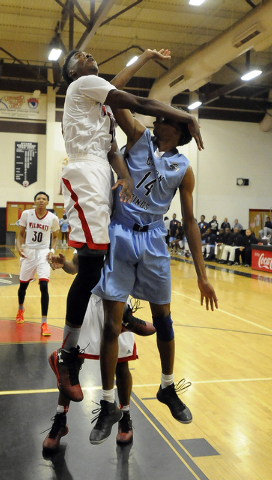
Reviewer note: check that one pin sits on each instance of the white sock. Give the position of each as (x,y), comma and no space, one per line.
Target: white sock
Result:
(60,409)
(108,395)
(44,319)
(124,408)
(166,380)
(70,337)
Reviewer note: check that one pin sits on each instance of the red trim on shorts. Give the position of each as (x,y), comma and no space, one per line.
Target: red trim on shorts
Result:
(43,280)
(133,356)
(26,281)
(85,226)
(41,217)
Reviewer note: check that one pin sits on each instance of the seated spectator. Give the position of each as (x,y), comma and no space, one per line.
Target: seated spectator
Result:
(267,230)
(220,245)
(235,241)
(245,249)
(178,237)
(237,225)
(208,245)
(167,226)
(213,225)
(202,225)
(173,229)
(225,224)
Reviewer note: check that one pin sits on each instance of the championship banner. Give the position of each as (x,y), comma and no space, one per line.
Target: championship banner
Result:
(26,160)
(22,105)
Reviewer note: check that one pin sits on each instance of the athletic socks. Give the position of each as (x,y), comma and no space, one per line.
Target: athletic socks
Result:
(44,320)
(108,395)
(21,307)
(62,409)
(70,337)
(124,408)
(166,380)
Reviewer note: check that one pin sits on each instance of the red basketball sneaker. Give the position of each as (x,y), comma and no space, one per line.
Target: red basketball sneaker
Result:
(66,366)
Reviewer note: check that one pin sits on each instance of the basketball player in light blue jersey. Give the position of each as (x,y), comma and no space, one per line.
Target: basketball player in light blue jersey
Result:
(139,261)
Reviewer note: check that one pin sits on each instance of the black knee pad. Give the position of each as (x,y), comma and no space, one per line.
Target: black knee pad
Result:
(164,327)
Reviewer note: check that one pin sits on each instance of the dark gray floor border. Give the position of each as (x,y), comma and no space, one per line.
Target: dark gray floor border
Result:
(170,439)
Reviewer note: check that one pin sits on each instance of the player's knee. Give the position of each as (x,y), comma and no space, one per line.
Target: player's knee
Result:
(164,327)
(112,329)
(23,286)
(43,286)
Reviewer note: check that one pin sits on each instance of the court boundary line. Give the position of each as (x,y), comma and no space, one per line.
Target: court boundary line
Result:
(89,389)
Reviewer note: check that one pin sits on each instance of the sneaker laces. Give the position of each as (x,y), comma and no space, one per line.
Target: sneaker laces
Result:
(182,386)
(98,412)
(135,304)
(57,424)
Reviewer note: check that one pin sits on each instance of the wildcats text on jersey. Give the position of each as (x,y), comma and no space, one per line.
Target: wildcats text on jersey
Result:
(38,225)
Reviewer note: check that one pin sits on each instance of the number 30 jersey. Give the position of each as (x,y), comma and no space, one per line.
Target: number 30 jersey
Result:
(38,229)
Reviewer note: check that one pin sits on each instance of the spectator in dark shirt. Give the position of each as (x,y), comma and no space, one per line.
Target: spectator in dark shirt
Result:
(235,241)
(178,237)
(225,224)
(202,225)
(173,229)
(245,249)
(220,245)
(208,245)
(213,224)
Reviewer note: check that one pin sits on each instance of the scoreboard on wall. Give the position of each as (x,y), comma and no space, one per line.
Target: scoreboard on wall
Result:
(26,160)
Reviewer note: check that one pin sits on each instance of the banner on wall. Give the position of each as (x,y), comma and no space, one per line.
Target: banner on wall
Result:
(26,161)
(22,105)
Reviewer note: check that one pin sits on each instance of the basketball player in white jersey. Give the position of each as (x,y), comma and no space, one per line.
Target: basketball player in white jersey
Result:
(36,226)
(88,134)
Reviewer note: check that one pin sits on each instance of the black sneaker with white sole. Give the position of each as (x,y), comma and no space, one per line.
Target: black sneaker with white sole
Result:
(108,415)
(169,397)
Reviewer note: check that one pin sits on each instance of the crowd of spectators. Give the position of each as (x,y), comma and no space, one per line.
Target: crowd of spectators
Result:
(223,244)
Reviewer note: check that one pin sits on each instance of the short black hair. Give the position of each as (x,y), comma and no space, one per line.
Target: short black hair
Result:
(41,193)
(64,69)
(185,136)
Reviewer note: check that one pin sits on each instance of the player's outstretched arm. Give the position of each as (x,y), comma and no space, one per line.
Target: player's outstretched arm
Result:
(147,106)
(119,165)
(59,261)
(123,77)
(193,237)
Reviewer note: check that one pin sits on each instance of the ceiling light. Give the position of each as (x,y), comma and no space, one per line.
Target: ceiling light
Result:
(54,54)
(194,105)
(252,74)
(133,60)
(196,2)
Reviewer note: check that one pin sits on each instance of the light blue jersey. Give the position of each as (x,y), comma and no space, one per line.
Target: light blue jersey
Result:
(155,181)
(138,261)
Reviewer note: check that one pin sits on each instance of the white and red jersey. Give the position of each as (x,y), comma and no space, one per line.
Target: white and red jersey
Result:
(88,125)
(38,229)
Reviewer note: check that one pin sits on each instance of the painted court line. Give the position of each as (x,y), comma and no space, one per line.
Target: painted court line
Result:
(227,313)
(89,389)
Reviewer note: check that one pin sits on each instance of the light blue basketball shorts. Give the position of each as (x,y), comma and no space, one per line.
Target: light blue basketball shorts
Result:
(138,264)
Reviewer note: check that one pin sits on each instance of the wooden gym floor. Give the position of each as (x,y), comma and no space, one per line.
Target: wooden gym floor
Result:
(226,355)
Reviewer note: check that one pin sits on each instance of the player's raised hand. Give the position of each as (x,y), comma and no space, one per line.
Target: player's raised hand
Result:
(194,130)
(126,192)
(207,292)
(55,261)
(159,55)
